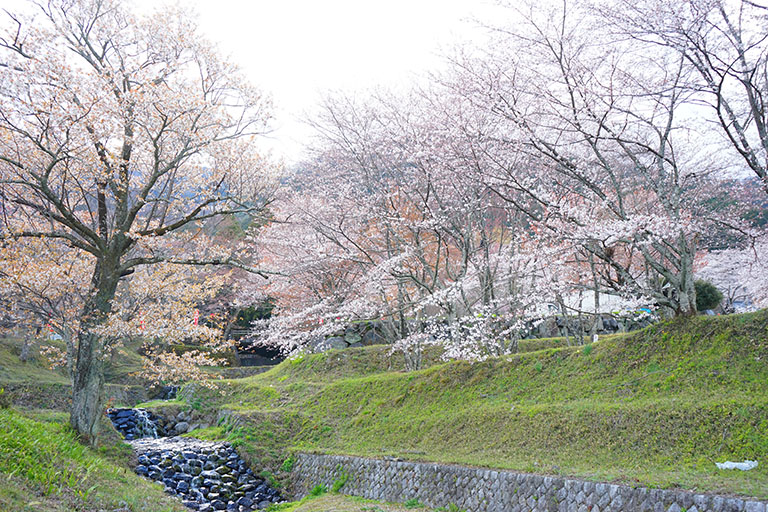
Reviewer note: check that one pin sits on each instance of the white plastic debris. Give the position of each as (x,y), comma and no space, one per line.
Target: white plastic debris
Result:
(744,466)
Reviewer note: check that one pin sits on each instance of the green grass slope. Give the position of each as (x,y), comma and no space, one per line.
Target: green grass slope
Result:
(44,468)
(32,383)
(656,407)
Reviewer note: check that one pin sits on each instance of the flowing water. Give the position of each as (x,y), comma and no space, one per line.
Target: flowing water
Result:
(206,476)
(145,425)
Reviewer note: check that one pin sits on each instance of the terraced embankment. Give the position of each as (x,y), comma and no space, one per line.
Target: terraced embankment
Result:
(656,408)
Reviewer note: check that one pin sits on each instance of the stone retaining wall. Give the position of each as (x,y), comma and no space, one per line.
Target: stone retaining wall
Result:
(484,490)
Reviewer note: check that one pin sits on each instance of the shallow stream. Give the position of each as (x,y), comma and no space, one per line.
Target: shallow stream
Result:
(205,475)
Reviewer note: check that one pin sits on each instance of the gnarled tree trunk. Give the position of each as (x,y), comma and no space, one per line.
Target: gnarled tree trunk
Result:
(88,381)
(88,388)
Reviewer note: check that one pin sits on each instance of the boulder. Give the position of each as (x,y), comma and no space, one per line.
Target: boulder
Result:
(352,337)
(373,337)
(335,342)
(548,328)
(610,324)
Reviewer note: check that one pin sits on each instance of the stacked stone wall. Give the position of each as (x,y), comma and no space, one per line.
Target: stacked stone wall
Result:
(485,490)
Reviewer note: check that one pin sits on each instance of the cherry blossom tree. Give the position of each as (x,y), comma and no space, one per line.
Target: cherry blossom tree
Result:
(392,223)
(44,284)
(119,136)
(725,43)
(556,167)
(621,163)
(739,272)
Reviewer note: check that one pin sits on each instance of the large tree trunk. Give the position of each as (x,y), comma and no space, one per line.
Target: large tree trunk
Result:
(88,380)
(88,388)
(686,300)
(687,297)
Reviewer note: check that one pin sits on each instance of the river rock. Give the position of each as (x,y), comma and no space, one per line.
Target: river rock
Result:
(236,488)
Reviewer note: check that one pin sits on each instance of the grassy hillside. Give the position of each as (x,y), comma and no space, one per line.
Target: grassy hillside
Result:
(44,468)
(32,383)
(12,370)
(656,407)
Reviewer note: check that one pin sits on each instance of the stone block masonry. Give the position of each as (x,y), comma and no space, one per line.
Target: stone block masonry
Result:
(486,490)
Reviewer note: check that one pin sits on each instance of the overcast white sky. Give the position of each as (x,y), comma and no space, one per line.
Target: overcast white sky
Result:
(298,49)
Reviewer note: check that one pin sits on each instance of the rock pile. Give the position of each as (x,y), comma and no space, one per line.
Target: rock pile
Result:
(183,422)
(135,423)
(206,476)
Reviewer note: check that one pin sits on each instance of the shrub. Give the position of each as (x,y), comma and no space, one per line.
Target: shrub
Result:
(288,464)
(318,490)
(340,482)
(707,295)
